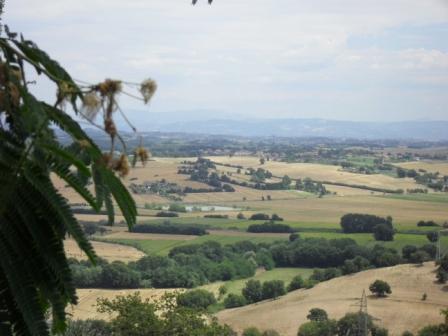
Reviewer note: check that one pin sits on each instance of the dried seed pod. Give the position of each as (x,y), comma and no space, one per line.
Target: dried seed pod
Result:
(107,159)
(109,127)
(14,94)
(121,165)
(147,89)
(109,87)
(91,105)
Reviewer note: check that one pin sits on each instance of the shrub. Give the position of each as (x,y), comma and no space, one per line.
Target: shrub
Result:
(296,283)
(294,237)
(433,237)
(234,300)
(166,214)
(259,216)
(383,232)
(119,275)
(315,328)
(252,331)
(427,223)
(197,299)
(317,314)
(252,292)
(419,257)
(269,227)
(362,223)
(276,217)
(88,328)
(216,216)
(169,228)
(240,216)
(273,289)
(176,207)
(380,288)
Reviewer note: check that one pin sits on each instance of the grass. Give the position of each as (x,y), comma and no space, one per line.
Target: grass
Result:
(438,198)
(243,224)
(284,274)
(366,239)
(163,247)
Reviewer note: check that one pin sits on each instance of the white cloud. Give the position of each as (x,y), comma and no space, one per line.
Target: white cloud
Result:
(255,57)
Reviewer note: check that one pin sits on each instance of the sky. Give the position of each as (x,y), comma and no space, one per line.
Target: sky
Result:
(371,60)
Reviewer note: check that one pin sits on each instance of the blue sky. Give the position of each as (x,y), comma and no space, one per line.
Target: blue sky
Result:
(379,60)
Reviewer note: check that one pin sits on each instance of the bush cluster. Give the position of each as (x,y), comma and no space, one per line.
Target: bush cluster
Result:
(170,228)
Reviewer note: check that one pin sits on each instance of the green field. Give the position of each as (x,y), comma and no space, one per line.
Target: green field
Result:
(438,198)
(163,247)
(243,224)
(284,274)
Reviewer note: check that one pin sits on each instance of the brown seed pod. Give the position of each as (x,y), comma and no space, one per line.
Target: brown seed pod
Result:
(121,165)
(109,87)
(91,105)
(109,127)
(14,94)
(107,159)
(147,89)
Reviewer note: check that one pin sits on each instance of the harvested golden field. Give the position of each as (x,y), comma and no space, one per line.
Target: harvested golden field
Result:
(330,209)
(402,310)
(320,172)
(108,251)
(430,166)
(86,307)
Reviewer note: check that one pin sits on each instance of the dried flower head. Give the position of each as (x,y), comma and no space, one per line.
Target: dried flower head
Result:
(14,94)
(109,87)
(109,127)
(143,154)
(65,91)
(121,165)
(84,143)
(107,159)
(147,89)
(91,105)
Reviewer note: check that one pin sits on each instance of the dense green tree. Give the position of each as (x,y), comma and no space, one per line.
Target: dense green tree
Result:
(317,314)
(196,299)
(383,232)
(419,257)
(408,250)
(251,331)
(296,283)
(432,236)
(234,300)
(88,328)
(253,291)
(35,218)
(318,328)
(380,288)
(273,289)
(348,325)
(132,315)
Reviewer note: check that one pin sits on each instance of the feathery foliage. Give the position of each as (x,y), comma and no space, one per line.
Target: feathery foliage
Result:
(35,279)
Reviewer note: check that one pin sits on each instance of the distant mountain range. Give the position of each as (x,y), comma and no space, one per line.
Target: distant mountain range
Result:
(409,130)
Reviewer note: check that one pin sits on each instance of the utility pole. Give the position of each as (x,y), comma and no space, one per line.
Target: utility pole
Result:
(363,316)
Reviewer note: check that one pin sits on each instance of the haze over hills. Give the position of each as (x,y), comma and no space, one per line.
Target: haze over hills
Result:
(203,123)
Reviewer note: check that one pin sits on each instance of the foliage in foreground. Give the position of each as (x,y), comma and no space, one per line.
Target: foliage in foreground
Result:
(35,218)
(133,316)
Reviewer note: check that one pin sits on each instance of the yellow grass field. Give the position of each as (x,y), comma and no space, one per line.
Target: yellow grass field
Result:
(108,251)
(320,172)
(402,310)
(331,209)
(430,166)
(86,307)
